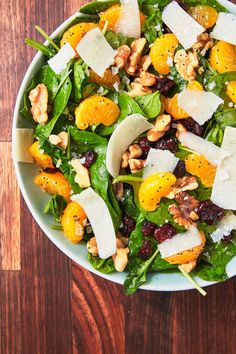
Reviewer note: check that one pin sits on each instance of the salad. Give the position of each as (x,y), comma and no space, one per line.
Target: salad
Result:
(134,133)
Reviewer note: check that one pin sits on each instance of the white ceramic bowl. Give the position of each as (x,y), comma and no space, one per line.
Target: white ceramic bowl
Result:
(36,200)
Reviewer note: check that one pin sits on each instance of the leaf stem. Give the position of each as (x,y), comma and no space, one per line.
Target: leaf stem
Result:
(125,178)
(44,34)
(192,281)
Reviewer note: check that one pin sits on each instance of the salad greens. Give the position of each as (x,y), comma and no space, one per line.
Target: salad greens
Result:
(136,226)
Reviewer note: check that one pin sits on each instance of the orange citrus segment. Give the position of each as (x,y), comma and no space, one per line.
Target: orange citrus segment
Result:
(43,160)
(173,108)
(223,57)
(198,166)
(74,34)
(195,85)
(204,14)
(153,188)
(162,49)
(53,183)
(231,91)
(108,78)
(96,110)
(189,255)
(72,222)
(112,15)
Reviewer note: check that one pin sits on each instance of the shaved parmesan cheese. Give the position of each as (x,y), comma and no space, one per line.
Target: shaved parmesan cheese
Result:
(180,243)
(159,161)
(129,21)
(61,59)
(100,220)
(200,105)
(225,28)
(203,147)
(96,52)
(224,190)
(24,139)
(182,24)
(227,224)
(123,136)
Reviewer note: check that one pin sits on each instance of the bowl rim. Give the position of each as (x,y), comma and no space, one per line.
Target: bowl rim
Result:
(85,264)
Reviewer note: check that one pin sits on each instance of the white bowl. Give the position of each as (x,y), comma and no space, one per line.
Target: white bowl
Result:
(36,200)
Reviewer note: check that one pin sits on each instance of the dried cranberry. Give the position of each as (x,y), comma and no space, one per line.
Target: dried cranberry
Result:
(145,145)
(148,228)
(145,250)
(166,143)
(89,158)
(209,212)
(227,239)
(180,169)
(191,125)
(164,232)
(166,29)
(128,225)
(164,85)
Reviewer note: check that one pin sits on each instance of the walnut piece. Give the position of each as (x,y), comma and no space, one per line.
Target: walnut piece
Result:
(138,90)
(186,62)
(181,212)
(133,152)
(188,267)
(204,42)
(187,183)
(122,56)
(120,258)
(82,173)
(135,56)
(136,165)
(59,140)
(144,63)
(92,246)
(179,129)
(39,101)
(161,125)
(146,79)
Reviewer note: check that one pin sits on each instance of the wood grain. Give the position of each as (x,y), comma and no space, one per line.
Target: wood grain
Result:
(50,305)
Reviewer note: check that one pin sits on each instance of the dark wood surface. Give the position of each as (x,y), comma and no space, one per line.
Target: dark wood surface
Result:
(50,305)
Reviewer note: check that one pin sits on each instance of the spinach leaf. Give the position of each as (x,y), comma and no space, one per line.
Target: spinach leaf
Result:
(82,137)
(226,118)
(79,77)
(47,51)
(152,27)
(25,110)
(150,104)
(96,7)
(148,7)
(51,80)
(105,266)
(138,275)
(98,173)
(117,39)
(128,202)
(159,265)
(213,132)
(216,256)
(202,191)
(208,71)
(180,83)
(136,237)
(207,229)
(218,81)
(55,206)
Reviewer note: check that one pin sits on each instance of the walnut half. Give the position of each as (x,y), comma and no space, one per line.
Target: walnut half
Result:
(39,101)
(183,211)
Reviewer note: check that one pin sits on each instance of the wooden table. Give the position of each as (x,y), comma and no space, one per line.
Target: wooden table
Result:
(50,305)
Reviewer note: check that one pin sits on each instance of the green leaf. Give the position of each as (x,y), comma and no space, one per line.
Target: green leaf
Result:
(136,237)
(25,110)
(148,7)
(150,104)
(55,206)
(180,83)
(96,7)
(105,266)
(79,78)
(82,137)
(220,79)
(98,173)
(160,265)
(128,203)
(226,118)
(138,275)
(152,27)
(117,39)
(40,47)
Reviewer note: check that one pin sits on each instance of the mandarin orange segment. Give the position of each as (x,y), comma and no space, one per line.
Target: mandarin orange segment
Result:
(74,34)
(173,108)
(231,91)
(161,51)
(96,110)
(108,78)
(223,57)
(205,15)
(53,183)
(153,188)
(43,160)
(198,166)
(72,221)
(195,86)
(189,255)
(112,14)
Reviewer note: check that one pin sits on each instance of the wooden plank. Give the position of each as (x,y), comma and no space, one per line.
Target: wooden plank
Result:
(98,314)
(9,213)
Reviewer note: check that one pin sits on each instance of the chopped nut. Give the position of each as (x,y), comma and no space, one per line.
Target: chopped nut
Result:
(54,139)
(145,62)
(125,160)
(204,42)
(120,258)
(122,56)
(188,267)
(135,151)
(138,90)
(39,101)
(124,239)
(82,173)
(146,79)
(64,139)
(181,212)
(134,58)
(92,246)
(187,183)
(136,165)
(161,126)
(119,190)
(193,215)
(186,62)
(179,129)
